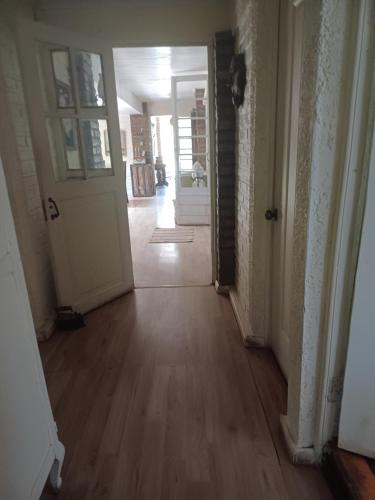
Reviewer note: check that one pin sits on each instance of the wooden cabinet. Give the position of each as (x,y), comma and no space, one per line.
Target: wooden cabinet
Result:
(143,180)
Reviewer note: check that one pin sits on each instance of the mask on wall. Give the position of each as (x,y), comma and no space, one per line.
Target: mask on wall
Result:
(238,74)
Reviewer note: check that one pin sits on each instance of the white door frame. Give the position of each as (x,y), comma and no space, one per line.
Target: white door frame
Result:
(212,124)
(349,214)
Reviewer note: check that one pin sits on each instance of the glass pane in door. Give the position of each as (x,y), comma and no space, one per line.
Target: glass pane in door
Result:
(96,145)
(63,78)
(90,79)
(71,143)
(64,148)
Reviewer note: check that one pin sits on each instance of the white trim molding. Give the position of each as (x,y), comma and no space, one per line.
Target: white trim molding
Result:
(44,332)
(248,338)
(350,206)
(297,3)
(297,454)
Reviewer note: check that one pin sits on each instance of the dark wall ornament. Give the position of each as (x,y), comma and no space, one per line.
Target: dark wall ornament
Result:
(238,79)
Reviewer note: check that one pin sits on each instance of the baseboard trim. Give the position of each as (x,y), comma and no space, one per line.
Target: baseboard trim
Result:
(297,454)
(43,333)
(248,338)
(221,289)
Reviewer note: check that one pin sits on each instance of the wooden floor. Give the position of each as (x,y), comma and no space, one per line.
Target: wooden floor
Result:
(157,399)
(160,264)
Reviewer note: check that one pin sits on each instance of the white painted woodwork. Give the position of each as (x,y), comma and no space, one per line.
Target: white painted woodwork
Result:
(357,419)
(284,183)
(29,443)
(350,211)
(192,204)
(90,243)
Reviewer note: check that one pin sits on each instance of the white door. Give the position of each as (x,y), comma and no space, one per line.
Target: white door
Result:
(357,418)
(191,143)
(28,440)
(281,215)
(71,92)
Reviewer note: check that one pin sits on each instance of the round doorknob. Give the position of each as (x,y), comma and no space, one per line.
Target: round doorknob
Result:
(271,214)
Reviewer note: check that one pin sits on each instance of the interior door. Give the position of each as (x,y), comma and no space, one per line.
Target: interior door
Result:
(357,418)
(281,215)
(191,143)
(71,92)
(28,438)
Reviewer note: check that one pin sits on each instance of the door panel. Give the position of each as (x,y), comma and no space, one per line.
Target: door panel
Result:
(75,129)
(191,143)
(102,268)
(285,178)
(357,418)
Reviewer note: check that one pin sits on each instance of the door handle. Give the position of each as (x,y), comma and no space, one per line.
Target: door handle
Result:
(54,210)
(271,214)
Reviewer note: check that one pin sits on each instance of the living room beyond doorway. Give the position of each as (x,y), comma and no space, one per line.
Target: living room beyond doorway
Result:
(163,104)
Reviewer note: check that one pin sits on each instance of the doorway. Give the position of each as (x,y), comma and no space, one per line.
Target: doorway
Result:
(165,147)
(282,213)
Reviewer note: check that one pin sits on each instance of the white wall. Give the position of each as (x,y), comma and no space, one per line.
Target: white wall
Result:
(130,99)
(141,22)
(21,175)
(160,107)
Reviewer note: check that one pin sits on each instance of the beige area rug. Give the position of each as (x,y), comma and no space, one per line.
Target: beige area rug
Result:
(172,235)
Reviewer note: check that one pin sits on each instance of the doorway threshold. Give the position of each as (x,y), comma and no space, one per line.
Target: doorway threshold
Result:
(141,287)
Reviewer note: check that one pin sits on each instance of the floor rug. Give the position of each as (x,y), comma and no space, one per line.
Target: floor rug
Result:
(172,235)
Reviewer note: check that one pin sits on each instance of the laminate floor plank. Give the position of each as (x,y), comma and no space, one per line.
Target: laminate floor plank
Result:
(303,483)
(157,399)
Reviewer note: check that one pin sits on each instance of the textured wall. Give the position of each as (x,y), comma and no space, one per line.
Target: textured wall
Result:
(256,31)
(18,158)
(326,67)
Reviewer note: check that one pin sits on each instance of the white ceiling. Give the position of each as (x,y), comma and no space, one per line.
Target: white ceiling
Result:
(147,71)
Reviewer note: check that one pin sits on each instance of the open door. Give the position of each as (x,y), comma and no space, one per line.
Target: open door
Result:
(71,93)
(191,144)
(357,417)
(281,215)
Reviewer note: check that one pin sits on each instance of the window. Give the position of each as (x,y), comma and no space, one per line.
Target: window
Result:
(75,112)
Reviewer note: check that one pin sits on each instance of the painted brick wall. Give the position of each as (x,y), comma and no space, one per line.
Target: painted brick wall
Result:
(24,190)
(255,27)
(225,160)
(244,188)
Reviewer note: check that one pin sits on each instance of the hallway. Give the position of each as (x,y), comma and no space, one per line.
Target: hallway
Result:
(156,398)
(161,264)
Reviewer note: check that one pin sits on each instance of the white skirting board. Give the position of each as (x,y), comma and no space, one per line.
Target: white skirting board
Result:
(297,454)
(249,339)
(47,329)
